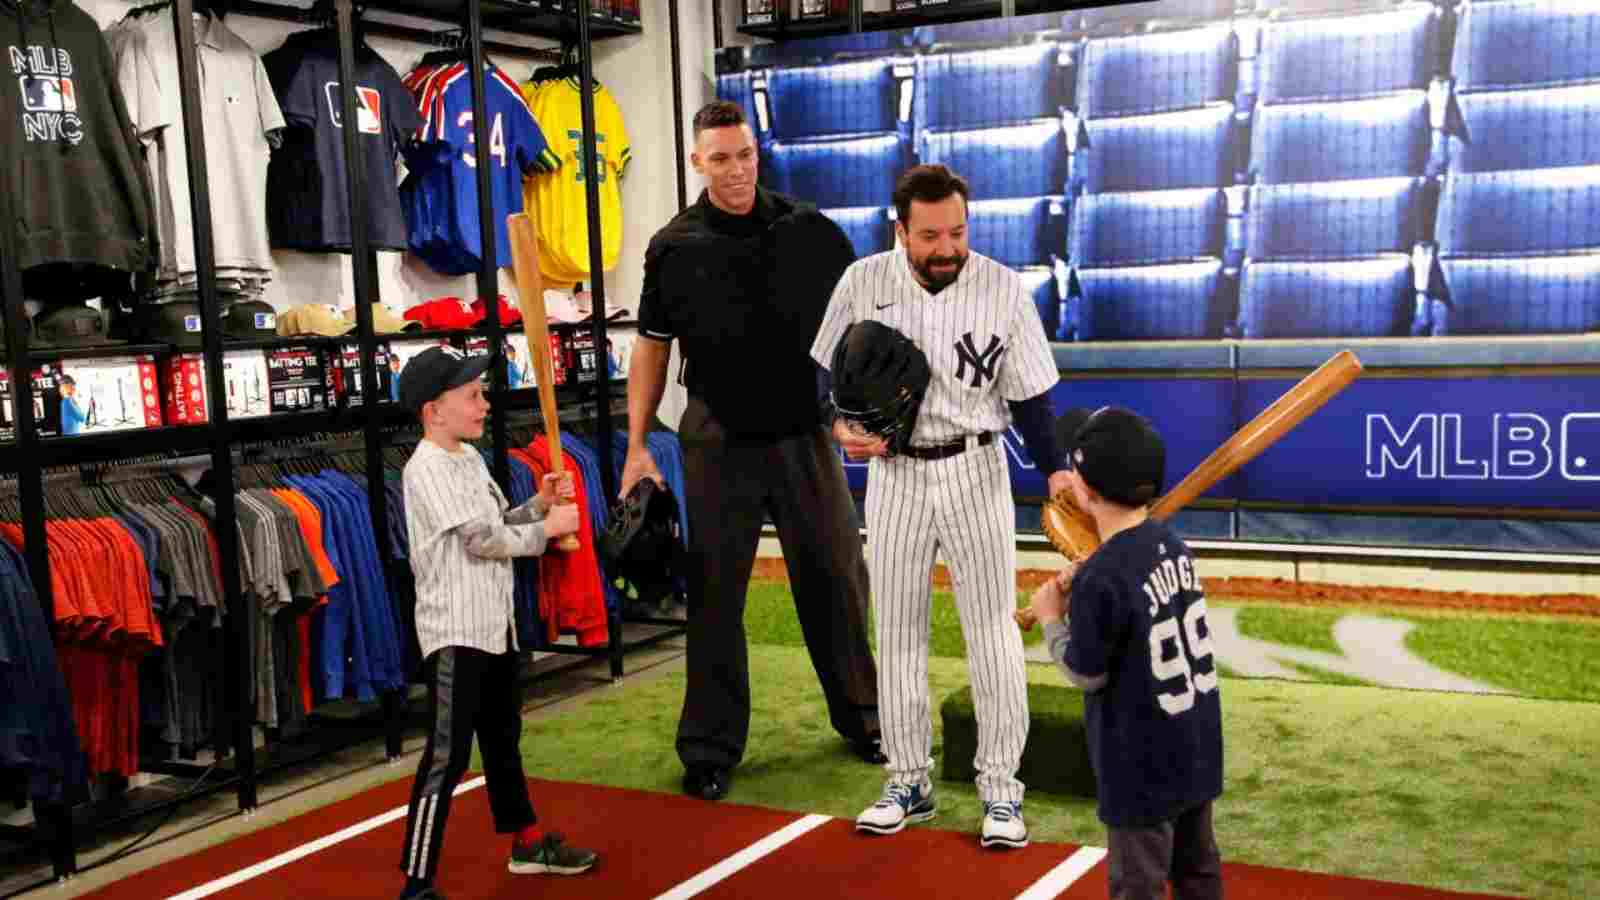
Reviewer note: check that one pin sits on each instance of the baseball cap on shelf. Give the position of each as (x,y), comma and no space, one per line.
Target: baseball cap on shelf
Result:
(436,370)
(1117,451)
(383,320)
(586,305)
(69,325)
(175,322)
(248,320)
(560,306)
(445,313)
(314,318)
(509,315)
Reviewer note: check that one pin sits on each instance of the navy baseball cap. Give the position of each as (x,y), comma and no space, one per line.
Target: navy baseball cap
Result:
(1116,450)
(436,370)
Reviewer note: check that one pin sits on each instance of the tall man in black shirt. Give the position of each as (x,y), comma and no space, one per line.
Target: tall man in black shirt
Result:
(741,280)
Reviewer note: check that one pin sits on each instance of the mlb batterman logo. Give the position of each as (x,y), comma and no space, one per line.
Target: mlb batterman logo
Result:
(368,108)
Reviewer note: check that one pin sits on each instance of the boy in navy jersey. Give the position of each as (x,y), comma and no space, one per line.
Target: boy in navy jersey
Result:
(1140,648)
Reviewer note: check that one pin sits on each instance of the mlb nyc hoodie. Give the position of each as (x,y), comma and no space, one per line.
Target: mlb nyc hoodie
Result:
(69,155)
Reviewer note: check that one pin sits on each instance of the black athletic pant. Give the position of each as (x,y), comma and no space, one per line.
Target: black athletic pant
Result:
(469,692)
(1183,850)
(731,486)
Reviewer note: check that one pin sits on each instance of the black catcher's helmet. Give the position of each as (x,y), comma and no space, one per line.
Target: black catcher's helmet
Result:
(879,380)
(642,547)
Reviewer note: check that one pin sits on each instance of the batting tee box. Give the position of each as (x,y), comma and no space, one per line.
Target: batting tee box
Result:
(348,389)
(299,379)
(520,370)
(88,396)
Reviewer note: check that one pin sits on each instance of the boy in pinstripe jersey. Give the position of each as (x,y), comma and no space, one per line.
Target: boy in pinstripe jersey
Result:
(949,492)
(463,537)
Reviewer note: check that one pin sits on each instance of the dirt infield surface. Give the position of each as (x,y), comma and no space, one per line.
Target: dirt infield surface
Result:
(1312,593)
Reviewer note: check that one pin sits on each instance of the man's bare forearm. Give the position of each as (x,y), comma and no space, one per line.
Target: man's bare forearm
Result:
(647,382)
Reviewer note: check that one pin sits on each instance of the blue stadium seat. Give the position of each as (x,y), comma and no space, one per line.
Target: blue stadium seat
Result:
(838,172)
(1040,283)
(1520,252)
(1192,148)
(1148,264)
(842,98)
(1147,227)
(1166,302)
(867,227)
(1527,129)
(1335,219)
(978,88)
(1020,232)
(1010,161)
(1347,298)
(1123,76)
(737,87)
(1380,138)
(1348,57)
(1014,29)
(1174,13)
(1526,43)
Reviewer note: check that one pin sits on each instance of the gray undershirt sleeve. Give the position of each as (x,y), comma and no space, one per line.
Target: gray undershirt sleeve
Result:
(1056,636)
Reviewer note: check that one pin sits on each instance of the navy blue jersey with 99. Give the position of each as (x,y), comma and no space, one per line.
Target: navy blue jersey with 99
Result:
(1138,616)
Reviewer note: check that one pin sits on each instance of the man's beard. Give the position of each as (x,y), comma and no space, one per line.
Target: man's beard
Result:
(936,280)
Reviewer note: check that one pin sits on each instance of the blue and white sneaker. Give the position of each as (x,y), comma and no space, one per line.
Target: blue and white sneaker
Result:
(901,805)
(1003,825)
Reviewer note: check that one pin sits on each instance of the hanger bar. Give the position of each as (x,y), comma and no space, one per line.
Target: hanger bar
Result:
(300,15)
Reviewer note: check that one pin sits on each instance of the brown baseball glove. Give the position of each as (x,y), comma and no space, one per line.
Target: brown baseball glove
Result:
(1069,528)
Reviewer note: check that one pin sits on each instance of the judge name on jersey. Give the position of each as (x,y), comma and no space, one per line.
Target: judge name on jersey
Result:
(1167,579)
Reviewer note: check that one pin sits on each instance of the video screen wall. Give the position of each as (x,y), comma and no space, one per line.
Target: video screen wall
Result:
(1208,198)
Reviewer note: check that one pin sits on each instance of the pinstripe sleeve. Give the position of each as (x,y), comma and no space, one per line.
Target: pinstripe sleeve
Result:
(840,314)
(1029,369)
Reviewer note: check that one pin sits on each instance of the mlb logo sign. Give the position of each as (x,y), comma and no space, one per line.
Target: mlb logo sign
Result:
(368,108)
(47,93)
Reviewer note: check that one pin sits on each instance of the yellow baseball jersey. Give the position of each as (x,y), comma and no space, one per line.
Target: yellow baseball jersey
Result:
(561,197)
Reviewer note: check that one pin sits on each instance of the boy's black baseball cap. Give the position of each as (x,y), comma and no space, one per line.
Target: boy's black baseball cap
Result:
(436,370)
(1116,450)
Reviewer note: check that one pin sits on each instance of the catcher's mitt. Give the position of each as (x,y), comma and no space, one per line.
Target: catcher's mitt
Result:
(1070,530)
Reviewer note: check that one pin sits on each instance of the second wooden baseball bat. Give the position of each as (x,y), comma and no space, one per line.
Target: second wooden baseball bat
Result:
(530,299)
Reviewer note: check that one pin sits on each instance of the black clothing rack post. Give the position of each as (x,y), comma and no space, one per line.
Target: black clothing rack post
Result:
(677,105)
(363,283)
(489,256)
(240,686)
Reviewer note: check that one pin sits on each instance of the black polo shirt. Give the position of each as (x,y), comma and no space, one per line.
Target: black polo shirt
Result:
(744,297)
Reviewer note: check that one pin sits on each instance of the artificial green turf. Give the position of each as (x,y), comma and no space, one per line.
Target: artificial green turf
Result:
(1537,658)
(1456,791)
(769,618)
(1326,676)
(1294,626)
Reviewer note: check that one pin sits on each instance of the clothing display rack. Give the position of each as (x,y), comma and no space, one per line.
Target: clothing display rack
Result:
(225,444)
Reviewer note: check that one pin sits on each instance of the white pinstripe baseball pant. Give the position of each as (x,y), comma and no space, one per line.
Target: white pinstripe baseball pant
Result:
(959,508)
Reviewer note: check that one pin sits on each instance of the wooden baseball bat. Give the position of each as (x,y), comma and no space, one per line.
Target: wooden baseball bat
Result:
(1259,433)
(530,299)
(1289,410)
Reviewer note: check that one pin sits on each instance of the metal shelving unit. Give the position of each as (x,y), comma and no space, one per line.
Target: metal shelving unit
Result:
(61,830)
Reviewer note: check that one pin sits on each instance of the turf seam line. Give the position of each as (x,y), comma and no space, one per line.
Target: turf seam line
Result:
(288,856)
(722,870)
(1062,876)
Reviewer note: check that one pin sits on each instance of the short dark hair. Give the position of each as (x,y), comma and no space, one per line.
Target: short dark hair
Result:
(929,184)
(718,114)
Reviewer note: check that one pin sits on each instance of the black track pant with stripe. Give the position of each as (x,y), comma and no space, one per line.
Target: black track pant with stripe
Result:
(731,488)
(469,692)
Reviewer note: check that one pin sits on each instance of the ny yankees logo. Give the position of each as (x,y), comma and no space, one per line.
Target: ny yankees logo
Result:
(983,364)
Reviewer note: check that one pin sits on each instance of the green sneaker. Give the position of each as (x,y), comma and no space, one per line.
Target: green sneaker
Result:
(551,856)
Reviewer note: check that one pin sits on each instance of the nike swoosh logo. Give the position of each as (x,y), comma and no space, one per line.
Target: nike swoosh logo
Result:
(882,305)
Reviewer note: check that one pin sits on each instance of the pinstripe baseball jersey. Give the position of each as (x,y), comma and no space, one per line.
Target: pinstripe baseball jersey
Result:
(982,336)
(463,600)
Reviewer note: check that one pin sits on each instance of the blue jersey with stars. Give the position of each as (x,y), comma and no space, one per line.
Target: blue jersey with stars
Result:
(441,190)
